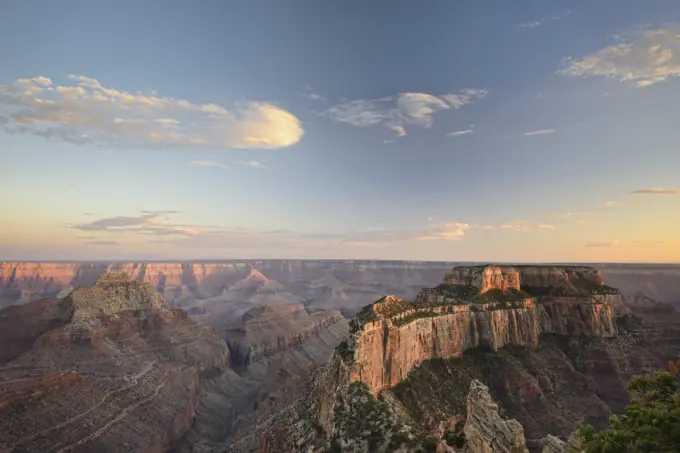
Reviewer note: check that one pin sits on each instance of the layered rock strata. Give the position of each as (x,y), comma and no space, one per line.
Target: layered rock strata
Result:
(392,337)
(107,368)
(275,327)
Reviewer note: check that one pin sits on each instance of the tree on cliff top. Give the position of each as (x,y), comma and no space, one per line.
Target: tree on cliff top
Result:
(651,422)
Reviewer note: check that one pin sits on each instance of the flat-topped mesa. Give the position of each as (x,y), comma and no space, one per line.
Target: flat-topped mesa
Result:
(488,306)
(484,278)
(565,281)
(113,292)
(112,278)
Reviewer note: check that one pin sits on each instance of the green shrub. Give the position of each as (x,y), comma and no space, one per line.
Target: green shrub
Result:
(651,422)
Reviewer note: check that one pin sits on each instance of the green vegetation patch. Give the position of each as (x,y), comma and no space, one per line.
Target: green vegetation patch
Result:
(413,316)
(651,422)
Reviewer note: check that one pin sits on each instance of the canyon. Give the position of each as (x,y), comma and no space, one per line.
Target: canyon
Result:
(203,288)
(257,356)
(112,367)
(554,344)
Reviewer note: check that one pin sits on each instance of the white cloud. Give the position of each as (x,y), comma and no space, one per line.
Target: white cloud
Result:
(399,130)
(88,112)
(205,163)
(532,24)
(540,132)
(396,112)
(657,191)
(543,20)
(459,133)
(252,163)
(649,57)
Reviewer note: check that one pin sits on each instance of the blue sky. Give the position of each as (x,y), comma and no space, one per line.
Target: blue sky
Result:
(464,130)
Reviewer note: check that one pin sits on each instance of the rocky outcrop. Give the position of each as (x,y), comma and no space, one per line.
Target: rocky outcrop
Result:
(484,278)
(535,280)
(485,430)
(392,337)
(113,292)
(384,351)
(108,368)
(275,327)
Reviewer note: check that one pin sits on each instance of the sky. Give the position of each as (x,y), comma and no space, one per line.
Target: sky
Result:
(460,131)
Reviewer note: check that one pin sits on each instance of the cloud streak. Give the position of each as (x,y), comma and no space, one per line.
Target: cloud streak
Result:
(657,191)
(648,58)
(405,109)
(543,20)
(87,112)
(252,163)
(459,133)
(540,132)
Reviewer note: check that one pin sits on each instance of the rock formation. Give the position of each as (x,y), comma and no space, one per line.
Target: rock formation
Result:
(274,327)
(485,430)
(107,368)
(545,340)
(392,337)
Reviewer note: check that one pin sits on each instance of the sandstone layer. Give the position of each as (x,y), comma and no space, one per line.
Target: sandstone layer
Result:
(391,337)
(108,368)
(553,354)
(275,327)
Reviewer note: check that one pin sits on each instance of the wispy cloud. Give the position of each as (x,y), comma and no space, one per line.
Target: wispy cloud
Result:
(649,57)
(155,223)
(252,163)
(603,244)
(205,163)
(312,95)
(87,112)
(657,191)
(397,112)
(459,133)
(543,20)
(540,132)
(531,24)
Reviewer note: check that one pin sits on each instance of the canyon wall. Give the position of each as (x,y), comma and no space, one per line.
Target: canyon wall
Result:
(272,328)
(385,353)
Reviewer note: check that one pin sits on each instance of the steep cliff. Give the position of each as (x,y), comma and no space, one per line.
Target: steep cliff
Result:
(275,327)
(476,306)
(536,336)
